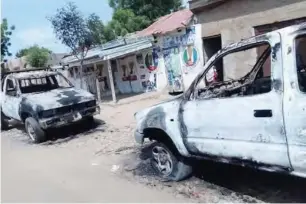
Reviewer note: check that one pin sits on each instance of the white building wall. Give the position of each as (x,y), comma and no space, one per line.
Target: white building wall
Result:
(172,50)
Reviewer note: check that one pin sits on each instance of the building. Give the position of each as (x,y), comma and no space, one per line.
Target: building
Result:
(119,66)
(21,63)
(227,21)
(178,49)
(166,54)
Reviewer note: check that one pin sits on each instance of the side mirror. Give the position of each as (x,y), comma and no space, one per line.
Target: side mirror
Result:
(11,92)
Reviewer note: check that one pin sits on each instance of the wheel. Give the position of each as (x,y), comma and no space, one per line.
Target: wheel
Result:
(4,122)
(35,132)
(167,165)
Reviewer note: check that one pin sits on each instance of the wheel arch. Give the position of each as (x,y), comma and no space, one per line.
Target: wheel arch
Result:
(161,135)
(24,115)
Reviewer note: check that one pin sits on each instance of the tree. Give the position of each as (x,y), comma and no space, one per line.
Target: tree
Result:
(148,8)
(100,33)
(37,56)
(71,29)
(22,52)
(6,32)
(124,21)
(96,28)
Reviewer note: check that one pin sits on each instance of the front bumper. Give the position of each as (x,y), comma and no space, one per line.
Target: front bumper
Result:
(66,119)
(139,137)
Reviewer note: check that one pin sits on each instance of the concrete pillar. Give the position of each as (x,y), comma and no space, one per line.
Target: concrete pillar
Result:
(97,84)
(111,79)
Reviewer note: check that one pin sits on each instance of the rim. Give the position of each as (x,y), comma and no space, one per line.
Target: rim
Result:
(31,132)
(162,160)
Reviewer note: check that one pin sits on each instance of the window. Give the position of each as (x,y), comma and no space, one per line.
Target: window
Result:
(10,84)
(43,84)
(300,50)
(10,87)
(243,74)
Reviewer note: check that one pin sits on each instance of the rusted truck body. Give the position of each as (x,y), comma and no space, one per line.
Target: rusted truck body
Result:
(257,120)
(43,99)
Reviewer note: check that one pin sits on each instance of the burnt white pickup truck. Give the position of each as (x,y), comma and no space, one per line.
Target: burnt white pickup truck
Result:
(43,99)
(256,120)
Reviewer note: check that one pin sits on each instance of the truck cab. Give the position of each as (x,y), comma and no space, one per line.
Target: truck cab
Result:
(256,119)
(43,99)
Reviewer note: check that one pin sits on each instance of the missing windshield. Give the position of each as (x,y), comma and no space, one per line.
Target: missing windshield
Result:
(247,72)
(42,84)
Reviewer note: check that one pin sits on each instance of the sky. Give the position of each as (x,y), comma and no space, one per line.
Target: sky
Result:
(32,26)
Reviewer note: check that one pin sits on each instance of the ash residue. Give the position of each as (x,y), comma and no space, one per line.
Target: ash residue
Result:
(137,167)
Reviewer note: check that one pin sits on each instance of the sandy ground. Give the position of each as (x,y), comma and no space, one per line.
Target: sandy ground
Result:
(102,163)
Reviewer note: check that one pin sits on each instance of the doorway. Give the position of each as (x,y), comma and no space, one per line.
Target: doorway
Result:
(211,45)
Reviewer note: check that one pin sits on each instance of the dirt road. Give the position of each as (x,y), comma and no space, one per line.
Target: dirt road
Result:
(33,173)
(103,163)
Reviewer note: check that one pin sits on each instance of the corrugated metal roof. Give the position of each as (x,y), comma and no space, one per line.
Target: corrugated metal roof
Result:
(124,50)
(168,23)
(90,54)
(99,53)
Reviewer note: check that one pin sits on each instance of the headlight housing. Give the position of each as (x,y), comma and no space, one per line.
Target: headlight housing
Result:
(47,113)
(91,103)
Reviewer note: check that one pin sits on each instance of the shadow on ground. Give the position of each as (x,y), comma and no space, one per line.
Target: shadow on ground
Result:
(67,133)
(261,185)
(265,186)
(119,97)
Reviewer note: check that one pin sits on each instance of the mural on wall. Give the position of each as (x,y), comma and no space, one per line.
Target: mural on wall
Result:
(132,76)
(189,37)
(182,40)
(150,84)
(190,56)
(151,60)
(148,77)
(180,53)
(172,64)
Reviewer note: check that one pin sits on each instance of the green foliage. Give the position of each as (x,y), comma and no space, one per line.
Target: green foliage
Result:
(22,52)
(37,56)
(151,9)
(78,33)
(124,21)
(6,32)
(96,28)
(71,29)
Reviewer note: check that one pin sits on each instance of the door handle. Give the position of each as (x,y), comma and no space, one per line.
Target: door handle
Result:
(263,113)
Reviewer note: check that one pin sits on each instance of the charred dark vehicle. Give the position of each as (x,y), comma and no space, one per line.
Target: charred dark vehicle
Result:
(257,119)
(43,99)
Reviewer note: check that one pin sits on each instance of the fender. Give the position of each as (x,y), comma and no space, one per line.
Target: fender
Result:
(165,117)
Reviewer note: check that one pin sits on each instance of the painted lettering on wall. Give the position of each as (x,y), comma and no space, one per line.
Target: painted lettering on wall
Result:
(181,40)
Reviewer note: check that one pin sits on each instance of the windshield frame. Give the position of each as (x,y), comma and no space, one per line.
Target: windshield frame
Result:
(70,85)
(232,48)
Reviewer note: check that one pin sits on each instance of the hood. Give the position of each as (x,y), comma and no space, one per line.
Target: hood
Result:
(58,98)
(168,105)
